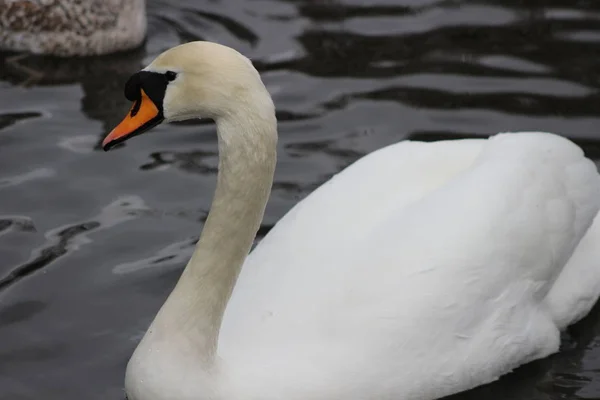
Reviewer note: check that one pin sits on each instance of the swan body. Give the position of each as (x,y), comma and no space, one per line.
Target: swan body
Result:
(421,270)
(442,282)
(72,27)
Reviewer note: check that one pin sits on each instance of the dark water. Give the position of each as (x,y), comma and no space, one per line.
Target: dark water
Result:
(92,242)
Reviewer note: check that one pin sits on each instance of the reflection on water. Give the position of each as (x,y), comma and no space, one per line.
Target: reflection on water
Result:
(91,243)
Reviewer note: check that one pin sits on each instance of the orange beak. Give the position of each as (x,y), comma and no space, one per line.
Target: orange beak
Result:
(143,116)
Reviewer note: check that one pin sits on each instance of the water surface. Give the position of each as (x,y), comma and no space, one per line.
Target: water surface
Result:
(92,242)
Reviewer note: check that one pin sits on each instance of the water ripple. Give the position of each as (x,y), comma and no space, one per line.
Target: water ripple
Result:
(68,239)
(38,173)
(8,119)
(347,77)
(16,223)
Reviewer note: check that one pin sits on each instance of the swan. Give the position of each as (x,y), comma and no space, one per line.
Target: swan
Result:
(72,27)
(421,270)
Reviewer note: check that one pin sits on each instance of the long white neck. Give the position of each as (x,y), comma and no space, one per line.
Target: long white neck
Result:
(193,312)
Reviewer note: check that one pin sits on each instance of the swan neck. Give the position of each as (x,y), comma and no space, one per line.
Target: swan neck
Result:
(247,157)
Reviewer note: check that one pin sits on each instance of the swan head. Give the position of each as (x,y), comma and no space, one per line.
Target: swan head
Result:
(192,80)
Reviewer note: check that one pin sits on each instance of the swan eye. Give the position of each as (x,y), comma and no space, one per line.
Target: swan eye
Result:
(171,75)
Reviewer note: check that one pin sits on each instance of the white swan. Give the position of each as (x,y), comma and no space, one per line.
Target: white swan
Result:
(72,27)
(422,270)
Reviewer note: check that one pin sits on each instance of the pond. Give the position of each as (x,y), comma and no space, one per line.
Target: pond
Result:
(92,242)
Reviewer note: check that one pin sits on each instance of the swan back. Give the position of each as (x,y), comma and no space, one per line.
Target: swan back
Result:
(441,292)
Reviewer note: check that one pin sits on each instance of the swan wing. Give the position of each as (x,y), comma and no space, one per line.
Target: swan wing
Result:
(440,255)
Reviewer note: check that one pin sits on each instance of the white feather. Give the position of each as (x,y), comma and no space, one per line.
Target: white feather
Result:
(421,270)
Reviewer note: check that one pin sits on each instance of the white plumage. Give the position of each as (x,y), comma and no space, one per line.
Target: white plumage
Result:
(421,270)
